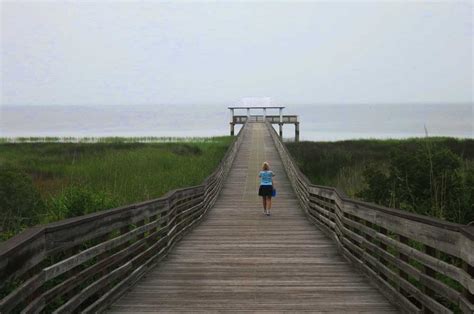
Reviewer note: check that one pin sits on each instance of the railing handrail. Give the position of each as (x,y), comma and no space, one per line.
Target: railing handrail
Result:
(157,224)
(267,115)
(369,236)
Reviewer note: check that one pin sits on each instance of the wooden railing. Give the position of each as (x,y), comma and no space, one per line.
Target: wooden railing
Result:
(419,263)
(269,118)
(85,263)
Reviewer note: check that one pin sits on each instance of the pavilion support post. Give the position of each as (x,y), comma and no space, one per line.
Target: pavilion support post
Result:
(264,114)
(232,122)
(281,115)
(281,129)
(248,113)
(297,132)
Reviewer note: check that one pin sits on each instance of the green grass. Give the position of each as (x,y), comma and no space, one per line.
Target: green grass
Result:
(107,173)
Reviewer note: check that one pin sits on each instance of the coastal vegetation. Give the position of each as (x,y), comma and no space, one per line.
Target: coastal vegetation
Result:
(48,181)
(429,176)
(107,139)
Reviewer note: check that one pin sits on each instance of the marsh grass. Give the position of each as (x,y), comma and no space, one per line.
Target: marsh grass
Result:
(78,178)
(430,176)
(342,163)
(108,139)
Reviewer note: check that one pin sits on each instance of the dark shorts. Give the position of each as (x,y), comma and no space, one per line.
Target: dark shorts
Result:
(265,190)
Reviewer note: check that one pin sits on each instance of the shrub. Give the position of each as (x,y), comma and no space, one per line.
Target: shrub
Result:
(76,201)
(20,202)
(428,181)
(186,149)
(429,176)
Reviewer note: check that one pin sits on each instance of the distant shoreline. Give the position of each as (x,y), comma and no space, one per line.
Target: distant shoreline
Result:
(185,139)
(106,139)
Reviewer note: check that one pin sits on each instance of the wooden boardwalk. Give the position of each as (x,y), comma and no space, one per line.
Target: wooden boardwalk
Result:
(237,259)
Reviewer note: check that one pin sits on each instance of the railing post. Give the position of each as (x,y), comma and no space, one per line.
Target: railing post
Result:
(139,224)
(123,231)
(383,246)
(405,258)
(164,217)
(152,218)
(368,224)
(470,270)
(429,272)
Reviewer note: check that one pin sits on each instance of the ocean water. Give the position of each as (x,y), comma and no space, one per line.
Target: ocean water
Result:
(317,122)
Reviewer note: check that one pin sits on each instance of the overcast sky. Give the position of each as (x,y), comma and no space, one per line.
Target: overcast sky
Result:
(183,52)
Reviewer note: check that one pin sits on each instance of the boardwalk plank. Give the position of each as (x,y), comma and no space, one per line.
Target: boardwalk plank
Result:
(237,259)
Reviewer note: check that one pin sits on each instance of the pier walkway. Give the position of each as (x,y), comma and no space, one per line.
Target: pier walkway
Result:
(238,259)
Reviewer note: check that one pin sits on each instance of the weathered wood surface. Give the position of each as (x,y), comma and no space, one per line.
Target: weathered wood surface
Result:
(237,259)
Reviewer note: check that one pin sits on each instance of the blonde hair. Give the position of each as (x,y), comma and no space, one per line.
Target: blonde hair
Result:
(265,166)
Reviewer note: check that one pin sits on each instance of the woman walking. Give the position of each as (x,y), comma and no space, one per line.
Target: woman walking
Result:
(266,187)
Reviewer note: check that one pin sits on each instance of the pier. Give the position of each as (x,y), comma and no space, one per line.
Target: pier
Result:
(279,119)
(209,248)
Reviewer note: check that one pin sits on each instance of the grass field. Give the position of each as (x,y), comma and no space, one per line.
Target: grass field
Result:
(428,171)
(53,181)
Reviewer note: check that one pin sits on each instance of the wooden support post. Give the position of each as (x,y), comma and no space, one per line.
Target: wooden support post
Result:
(430,272)
(139,224)
(248,113)
(406,259)
(281,129)
(152,239)
(297,132)
(281,115)
(232,125)
(123,231)
(164,217)
(368,237)
(470,270)
(383,246)
(264,114)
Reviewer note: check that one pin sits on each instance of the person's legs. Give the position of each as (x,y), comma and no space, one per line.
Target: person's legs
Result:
(264,199)
(269,204)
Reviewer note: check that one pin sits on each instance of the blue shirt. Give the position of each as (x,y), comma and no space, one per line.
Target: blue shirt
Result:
(266,177)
